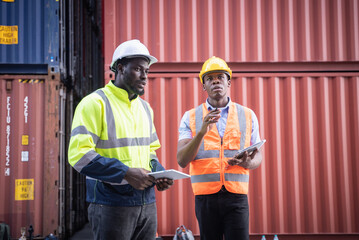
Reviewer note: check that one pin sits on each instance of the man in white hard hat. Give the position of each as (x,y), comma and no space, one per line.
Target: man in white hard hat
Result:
(210,136)
(113,142)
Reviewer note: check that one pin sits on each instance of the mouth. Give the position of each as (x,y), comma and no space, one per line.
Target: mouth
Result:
(141,85)
(216,89)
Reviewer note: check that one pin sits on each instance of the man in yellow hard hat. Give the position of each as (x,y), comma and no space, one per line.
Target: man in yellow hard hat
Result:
(114,142)
(210,136)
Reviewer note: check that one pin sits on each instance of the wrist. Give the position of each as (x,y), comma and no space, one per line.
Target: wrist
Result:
(127,174)
(201,133)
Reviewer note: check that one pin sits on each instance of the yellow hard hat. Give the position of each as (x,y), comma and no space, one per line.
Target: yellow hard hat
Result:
(214,64)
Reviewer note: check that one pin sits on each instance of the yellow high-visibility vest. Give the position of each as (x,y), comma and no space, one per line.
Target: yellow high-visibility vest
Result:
(107,123)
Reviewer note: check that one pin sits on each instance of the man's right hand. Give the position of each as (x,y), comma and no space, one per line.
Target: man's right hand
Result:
(138,178)
(210,119)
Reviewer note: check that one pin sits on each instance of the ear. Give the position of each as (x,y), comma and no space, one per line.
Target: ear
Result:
(120,68)
(204,89)
(229,82)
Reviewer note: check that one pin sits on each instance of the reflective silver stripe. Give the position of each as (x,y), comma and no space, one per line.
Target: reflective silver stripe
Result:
(234,177)
(215,177)
(83,130)
(124,182)
(201,152)
(199,121)
(111,127)
(112,141)
(79,130)
(215,153)
(145,106)
(153,137)
(123,142)
(86,159)
(207,154)
(242,124)
(229,153)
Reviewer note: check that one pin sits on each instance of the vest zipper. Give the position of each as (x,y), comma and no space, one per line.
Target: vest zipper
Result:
(221,159)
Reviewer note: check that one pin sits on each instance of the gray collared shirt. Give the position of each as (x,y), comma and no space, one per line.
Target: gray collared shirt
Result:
(186,133)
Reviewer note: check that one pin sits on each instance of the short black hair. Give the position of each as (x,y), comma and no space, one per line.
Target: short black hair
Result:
(123,62)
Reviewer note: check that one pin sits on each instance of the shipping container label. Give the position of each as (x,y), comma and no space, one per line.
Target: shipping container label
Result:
(25,140)
(26,101)
(24,189)
(24,156)
(8,132)
(8,34)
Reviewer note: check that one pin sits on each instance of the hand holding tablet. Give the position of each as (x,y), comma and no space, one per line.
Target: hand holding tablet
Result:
(250,149)
(170,174)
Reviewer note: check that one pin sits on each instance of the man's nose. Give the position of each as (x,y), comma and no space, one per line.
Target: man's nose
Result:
(216,80)
(144,74)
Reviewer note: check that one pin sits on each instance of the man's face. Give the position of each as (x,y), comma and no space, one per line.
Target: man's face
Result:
(135,75)
(216,84)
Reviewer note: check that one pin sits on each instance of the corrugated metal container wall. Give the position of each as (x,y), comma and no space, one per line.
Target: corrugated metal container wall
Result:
(29,36)
(307,104)
(309,120)
(60,40)
(237,31)
(29,153)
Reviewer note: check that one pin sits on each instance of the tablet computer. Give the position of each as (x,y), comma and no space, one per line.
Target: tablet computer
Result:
(170,174)
(251,148)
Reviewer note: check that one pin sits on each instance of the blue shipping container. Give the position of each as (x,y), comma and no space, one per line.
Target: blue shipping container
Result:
(29,36)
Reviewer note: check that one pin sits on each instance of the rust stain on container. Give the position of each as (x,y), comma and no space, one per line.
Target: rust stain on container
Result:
(29,154)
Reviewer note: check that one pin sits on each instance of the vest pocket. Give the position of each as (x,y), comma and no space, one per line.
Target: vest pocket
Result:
(204,166)
(234,140)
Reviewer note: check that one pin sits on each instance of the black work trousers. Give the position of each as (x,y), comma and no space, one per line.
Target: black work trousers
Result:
(223,214)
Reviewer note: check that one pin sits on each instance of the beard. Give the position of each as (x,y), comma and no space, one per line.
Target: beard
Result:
(131,88)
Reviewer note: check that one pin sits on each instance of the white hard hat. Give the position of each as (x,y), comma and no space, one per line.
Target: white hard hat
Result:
(131,49)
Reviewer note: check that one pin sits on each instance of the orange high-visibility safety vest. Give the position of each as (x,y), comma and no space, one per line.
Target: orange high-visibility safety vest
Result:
(210,170)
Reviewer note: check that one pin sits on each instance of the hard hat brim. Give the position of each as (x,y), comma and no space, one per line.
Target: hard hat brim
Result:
(151,59)
(229,74)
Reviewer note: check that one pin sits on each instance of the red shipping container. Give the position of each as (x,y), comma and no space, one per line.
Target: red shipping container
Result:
(29,153)
(295,64)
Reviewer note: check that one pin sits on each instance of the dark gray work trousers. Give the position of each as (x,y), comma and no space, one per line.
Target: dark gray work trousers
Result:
(223,214)
(123,223)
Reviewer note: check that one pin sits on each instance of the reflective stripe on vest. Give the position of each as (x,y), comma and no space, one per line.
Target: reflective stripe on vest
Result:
(210,170)
(113,141)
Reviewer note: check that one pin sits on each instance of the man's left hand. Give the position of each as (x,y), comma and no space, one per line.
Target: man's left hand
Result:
(163,184)
(244,160)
